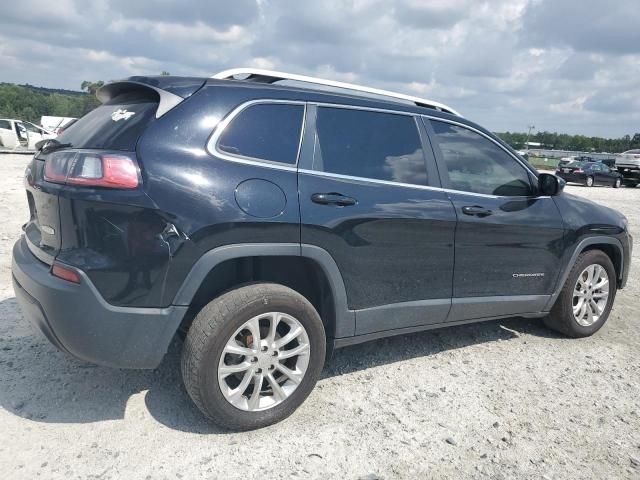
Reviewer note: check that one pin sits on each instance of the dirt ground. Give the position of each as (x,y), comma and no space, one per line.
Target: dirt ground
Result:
(501,399)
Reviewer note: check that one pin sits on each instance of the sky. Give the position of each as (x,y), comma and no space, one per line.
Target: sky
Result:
(571,66)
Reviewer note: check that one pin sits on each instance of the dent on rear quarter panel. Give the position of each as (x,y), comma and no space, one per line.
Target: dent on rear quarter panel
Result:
(117,239)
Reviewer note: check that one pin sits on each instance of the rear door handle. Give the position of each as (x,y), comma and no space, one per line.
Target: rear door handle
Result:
(476,211)
(333,199)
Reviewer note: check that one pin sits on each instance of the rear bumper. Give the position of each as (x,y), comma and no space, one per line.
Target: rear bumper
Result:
(77,320)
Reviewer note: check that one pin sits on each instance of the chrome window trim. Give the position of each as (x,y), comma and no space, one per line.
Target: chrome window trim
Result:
(212,144)
(319,173)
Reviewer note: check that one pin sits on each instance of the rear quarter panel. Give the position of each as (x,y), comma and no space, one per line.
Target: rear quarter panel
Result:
(195,190)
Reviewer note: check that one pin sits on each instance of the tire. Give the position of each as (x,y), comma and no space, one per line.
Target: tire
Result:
(562,318)
(218,325)
(589,182)
(617,183)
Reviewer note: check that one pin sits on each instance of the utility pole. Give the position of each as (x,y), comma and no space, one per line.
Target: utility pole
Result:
(531,127)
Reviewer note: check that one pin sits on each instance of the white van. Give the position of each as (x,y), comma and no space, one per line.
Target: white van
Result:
(16,134)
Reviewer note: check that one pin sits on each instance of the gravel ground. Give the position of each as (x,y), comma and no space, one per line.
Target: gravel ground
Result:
(503,399)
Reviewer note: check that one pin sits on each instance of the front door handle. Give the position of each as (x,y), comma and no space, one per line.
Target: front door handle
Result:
(476,211)
(333,199)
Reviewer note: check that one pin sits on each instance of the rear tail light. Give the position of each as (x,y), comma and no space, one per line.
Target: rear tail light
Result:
(108,170)
(578,171)
(65,273)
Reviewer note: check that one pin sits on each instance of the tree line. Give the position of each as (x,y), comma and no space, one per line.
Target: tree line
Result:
(580,143)
(25,102)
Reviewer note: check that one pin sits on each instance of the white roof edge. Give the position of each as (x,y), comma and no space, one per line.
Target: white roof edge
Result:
(229,74)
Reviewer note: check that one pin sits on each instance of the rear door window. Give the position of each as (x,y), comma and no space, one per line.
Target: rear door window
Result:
(268,132)
(115,125)
(5,124)
(369,144)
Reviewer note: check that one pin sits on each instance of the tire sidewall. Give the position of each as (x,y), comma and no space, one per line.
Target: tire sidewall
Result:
(212,398)
(591,258)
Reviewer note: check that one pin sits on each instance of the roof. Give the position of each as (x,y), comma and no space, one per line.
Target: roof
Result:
(271,76)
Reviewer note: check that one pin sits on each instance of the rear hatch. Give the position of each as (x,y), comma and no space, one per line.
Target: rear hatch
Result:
(575,167)
(95,155)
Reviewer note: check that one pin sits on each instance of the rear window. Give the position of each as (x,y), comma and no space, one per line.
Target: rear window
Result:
(115,125)
(375,145)
(269,131)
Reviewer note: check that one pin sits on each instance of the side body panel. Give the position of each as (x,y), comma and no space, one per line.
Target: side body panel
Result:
(394,246)
(507,249)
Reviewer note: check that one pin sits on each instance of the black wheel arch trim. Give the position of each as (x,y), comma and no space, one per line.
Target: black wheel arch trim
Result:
(580,247)
(344,318)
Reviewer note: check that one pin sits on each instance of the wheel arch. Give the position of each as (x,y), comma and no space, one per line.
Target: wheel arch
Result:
(308,269)
(609,245)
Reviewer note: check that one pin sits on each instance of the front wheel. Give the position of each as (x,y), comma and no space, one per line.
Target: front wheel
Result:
(589,182)
(617,183)
(586,299)
(253,355)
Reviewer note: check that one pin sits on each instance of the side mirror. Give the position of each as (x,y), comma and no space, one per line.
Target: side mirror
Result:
(550,185)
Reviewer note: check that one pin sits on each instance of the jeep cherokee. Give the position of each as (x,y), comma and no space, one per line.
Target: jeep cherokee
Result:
(268,223)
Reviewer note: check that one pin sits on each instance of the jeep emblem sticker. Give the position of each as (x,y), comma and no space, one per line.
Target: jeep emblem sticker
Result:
(121,114)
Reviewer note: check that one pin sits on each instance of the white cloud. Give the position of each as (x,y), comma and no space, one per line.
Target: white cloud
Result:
(563,65)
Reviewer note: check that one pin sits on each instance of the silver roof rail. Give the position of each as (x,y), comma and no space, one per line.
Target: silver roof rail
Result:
(270,76)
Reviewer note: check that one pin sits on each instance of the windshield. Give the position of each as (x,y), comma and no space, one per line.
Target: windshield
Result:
(633,152)
(115,125)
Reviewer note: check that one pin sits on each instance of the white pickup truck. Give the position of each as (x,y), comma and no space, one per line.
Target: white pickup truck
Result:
(628,165)
(16,134)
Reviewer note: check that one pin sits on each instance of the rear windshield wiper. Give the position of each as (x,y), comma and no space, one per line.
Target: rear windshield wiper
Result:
(51,144)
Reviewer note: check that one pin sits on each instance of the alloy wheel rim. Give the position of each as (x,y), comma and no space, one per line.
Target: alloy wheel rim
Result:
(617,182)
(589,181)
(590,295)
(264,361)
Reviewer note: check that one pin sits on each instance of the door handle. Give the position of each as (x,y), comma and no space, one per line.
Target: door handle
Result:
(476,211)
(333,199)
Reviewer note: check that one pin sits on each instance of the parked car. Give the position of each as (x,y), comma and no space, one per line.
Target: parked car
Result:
(268,224)
(18,134)
(590,174)
(628,164)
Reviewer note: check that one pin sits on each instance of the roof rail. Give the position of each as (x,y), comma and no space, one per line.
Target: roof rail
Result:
(270,76)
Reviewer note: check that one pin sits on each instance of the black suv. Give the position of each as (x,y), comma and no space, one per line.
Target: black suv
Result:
(267,224)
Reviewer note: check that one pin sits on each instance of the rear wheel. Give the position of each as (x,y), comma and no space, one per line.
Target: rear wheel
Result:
(589,182)
(630,183)
(253,355)
(586,299)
